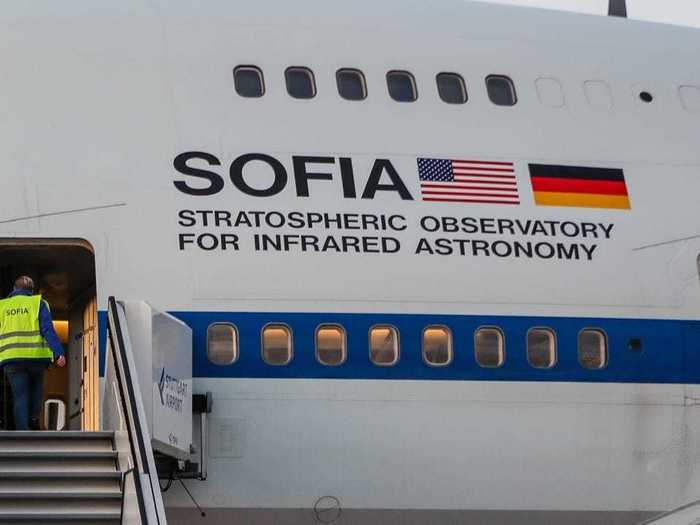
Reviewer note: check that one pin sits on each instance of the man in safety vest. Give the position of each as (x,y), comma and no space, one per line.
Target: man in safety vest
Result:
(28,345)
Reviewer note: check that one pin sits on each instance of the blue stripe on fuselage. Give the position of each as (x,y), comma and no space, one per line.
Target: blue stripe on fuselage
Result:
(666,356)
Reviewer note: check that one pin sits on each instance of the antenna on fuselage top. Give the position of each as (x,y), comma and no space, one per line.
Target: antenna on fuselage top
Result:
(617,8)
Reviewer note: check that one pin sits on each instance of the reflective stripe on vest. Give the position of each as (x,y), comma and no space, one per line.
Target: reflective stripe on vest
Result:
(20,333)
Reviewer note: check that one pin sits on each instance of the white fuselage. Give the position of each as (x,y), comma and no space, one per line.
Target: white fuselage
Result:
(98,101)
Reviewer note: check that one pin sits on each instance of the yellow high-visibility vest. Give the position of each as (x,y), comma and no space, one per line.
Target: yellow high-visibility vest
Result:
(20,332)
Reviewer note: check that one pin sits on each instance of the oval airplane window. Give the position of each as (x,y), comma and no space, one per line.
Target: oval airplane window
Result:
(300,82)
(401,86)
(489,347)
(351,84)
(550,92)
(501,90)
(384,345)
(451,88)
(222,344)
(277,344)
(248,81)
(437,345)
(541,348)
(592,348)
(331,345)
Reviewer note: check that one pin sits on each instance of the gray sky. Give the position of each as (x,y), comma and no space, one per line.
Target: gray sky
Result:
(683,12)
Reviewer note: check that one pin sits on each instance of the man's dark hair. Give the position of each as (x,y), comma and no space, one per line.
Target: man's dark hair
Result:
(24,282)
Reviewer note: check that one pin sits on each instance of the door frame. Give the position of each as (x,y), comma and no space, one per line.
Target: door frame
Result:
(83,346)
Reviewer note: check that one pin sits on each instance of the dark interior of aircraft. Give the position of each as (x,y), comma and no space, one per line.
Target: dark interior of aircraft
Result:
(64,274)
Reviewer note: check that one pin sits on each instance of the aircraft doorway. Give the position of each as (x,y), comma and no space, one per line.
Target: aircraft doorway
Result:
(64,273)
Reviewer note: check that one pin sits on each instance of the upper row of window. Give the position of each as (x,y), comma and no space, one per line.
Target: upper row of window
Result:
(401,85)
(331,346)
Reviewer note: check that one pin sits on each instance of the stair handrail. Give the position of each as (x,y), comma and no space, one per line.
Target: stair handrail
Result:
(145,475)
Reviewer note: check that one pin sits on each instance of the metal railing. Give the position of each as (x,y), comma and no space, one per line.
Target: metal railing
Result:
(124,413)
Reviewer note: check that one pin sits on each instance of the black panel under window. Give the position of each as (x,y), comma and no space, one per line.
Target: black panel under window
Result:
(402,86)
(248,81)
(451,88)
(351,84)
(300,82)
(501,90)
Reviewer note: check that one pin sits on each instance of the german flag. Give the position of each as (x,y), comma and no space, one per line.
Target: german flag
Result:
(579,186)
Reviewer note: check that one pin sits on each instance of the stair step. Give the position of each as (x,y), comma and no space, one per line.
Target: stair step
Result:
(79,481)
(84,518)
(56,441)
(53,453)
(59,505)
(41,445)
(63,434)
(57,461)
(17,495)
(64,455)
(111,475)
(41,487)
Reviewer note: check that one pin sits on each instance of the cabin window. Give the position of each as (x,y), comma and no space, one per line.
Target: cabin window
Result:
(384,345)
(501,90)
(331,345)
(222,344)
(437,345)
(690,98)
(541,348)
(550,92)
(592,348)
(489,347)
(402,86)
(248,81)
(351,84)
(300,82)
(277,344)
(451,88)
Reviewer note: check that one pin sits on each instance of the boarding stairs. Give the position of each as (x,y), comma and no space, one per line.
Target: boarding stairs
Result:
(112,477)
(60,477)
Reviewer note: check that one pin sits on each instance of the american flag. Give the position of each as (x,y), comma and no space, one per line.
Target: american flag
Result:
(477,181)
